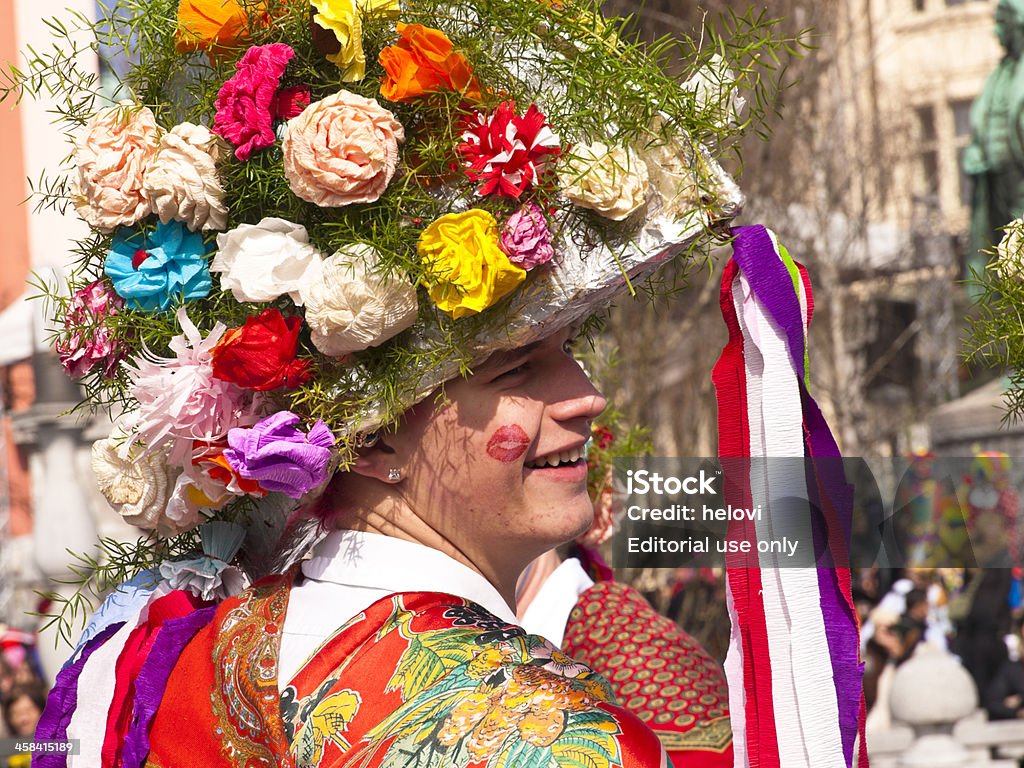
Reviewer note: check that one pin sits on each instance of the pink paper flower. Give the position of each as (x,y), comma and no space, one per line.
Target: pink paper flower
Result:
(526,239)
(180,400)
(341,150)
(86,341)
(249,102)
(506,152)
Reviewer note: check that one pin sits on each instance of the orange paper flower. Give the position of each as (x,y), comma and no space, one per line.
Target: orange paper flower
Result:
(424,60)
(211,25)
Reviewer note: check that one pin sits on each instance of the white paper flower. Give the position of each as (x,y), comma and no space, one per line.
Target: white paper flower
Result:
(1010,251)
(136,484)
(112,153)
(182,180)
(609,180)
(259,262)
(349,307)
(715,92)
(179,399)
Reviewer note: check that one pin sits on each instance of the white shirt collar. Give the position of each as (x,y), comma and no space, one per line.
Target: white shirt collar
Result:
(355,558)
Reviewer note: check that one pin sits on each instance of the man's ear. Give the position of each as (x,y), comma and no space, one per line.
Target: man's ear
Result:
(377,461)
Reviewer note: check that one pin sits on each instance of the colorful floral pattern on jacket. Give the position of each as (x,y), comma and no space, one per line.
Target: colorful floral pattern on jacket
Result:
(417,679)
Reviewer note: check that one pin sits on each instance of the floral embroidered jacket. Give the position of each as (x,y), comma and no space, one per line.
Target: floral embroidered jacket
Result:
(417,679)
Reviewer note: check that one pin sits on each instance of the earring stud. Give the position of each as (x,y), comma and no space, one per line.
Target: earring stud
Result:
(394,474)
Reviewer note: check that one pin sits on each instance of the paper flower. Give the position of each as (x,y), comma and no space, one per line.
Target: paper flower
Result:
(208,483)
(111,156)
(180,400)
(349,308)
(86,340)
(505,152)
(261,354)
(259,262)
(609,180)
(671,163)
(205,577)
(424,60)
(468,271)
(182,180)
(214,25)
(341,22)
(249,102)
(136,484)
(526,239)
(156,269)
(716,93)
(1010,251)
(341,150)
(280,456)
(209,575)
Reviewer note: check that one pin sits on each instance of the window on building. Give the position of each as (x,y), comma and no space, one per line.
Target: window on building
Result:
(927,181)
(919,5)
(961,138)
(891,353)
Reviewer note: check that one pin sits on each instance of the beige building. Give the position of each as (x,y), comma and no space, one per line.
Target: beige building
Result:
(888,209)
(932,58)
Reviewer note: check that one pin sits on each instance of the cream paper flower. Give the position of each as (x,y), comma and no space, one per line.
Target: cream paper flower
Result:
(1010,251)
(341,150)
(136,483)
(716,94)
(609,180)
(112,154)
(670,163)
(349,308)
(259,262)
(182,180)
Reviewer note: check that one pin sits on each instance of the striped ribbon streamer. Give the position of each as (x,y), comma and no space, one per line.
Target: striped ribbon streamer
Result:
(793,667)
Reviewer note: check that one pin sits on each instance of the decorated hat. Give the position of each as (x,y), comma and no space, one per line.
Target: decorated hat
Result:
(306,216)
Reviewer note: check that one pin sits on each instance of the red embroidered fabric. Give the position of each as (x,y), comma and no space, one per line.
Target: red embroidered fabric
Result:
(657,671)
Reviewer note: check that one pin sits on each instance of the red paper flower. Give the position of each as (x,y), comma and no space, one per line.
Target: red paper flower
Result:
(506,152)
(249,102)
(261,354)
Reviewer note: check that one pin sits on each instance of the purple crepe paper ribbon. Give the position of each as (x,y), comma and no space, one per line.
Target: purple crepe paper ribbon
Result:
(63,701)
(771,282)
(152,680)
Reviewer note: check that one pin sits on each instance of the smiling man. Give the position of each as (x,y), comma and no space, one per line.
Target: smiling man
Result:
(397,640)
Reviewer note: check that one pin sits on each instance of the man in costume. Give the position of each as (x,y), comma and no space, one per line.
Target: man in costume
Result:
(398,293)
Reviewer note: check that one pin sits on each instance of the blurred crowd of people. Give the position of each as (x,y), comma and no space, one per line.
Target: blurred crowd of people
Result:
(22,689)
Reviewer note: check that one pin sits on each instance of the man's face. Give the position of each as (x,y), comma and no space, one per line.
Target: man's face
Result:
(478,466)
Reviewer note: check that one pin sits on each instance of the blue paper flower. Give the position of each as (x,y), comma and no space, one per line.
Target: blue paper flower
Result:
(153,270)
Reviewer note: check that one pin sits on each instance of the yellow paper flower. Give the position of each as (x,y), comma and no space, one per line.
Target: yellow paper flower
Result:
(344,19)
(470,271)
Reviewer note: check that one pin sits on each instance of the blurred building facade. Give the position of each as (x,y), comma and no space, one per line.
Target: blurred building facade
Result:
(928,60)
(48,504)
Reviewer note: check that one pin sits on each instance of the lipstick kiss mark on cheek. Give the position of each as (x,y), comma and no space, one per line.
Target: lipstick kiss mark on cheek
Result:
(508,443)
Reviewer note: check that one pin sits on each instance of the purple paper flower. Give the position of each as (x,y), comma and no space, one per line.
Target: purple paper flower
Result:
(526,239)
(280,456)
(86,341)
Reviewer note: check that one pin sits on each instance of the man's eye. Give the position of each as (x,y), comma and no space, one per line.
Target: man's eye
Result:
(514,371)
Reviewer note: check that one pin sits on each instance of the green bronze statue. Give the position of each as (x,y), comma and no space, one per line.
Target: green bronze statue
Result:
(995,157)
